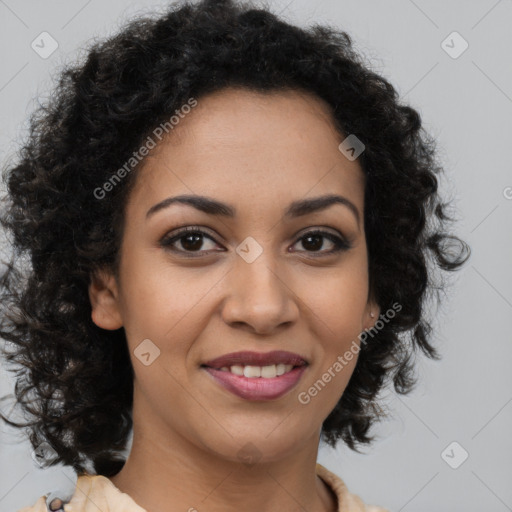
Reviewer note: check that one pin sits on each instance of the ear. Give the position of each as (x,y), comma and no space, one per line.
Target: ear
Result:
(372,308)
(104,297)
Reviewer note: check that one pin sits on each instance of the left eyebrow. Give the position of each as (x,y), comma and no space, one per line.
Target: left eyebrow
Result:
(307,206)
(296,209)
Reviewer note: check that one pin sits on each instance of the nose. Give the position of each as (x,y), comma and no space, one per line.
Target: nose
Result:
(259,298)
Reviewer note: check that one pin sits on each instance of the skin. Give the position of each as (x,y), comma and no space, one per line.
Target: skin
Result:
(258,153)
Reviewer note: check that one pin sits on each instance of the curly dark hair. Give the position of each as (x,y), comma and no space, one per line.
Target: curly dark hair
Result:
(75,379)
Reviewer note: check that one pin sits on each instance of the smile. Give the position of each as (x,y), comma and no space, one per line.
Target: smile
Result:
(257,375)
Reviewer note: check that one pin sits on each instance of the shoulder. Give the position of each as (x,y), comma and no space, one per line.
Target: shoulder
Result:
(92,492)
(347,502)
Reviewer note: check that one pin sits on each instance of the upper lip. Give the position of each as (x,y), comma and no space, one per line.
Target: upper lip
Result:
(257,359)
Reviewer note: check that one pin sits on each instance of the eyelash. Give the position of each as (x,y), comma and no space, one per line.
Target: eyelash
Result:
(340,244)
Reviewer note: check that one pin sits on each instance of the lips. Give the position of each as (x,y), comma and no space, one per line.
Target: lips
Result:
(247,358)
(257,375)
(259,388)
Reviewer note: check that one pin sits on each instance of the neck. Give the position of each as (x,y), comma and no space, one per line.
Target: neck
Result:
(166,472)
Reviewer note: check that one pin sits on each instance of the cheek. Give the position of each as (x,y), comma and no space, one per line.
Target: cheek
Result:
(338,299)
(343,311)
(168,305)
(335,308)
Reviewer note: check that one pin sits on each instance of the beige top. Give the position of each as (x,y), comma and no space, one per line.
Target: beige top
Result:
(97,492)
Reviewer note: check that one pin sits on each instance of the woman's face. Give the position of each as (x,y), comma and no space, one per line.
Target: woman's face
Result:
(255,280)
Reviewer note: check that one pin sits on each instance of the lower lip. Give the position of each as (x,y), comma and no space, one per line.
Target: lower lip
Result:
(257,388)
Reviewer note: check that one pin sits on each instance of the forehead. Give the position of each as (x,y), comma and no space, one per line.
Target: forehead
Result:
(256,147)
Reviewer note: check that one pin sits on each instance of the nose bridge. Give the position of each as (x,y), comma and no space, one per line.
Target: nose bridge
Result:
(258,295)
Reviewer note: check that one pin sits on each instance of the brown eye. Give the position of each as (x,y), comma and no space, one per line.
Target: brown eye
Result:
(313,241)
(191,240)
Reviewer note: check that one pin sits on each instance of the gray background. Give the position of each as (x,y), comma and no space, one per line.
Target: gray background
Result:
(466,103)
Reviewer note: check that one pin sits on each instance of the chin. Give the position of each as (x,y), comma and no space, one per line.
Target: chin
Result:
(257,446)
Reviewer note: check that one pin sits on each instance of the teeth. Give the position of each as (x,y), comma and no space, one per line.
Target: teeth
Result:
(252,371)
(237,370)
(281,368)
(267,372)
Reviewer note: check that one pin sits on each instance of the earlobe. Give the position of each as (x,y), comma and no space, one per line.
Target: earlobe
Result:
(372,315)
(103,295)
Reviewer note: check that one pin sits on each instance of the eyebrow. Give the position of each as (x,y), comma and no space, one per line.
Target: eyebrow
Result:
(296,209)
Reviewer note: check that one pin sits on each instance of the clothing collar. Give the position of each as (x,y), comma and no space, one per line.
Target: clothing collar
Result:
(97,492)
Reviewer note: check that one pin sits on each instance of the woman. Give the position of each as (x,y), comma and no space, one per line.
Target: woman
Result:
(233,227)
